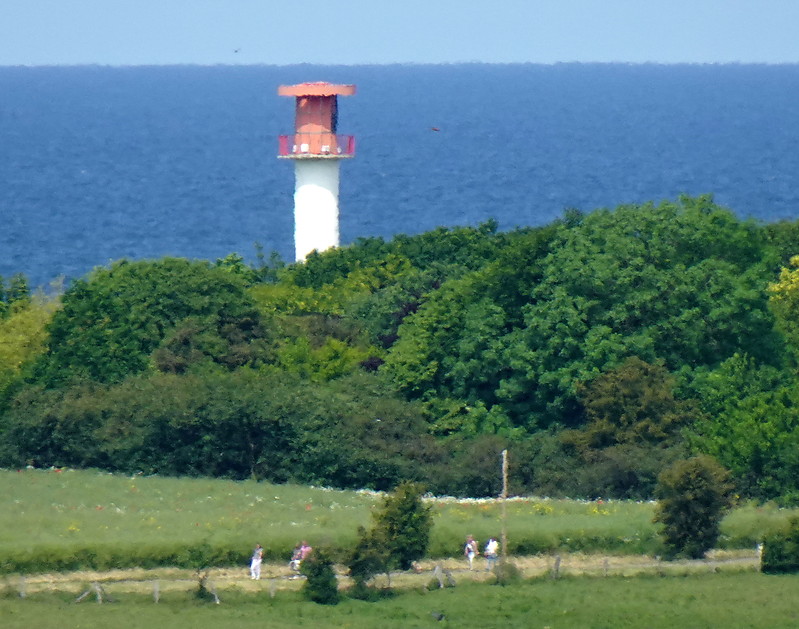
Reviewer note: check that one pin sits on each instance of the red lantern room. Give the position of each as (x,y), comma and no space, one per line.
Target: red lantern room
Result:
(316,120)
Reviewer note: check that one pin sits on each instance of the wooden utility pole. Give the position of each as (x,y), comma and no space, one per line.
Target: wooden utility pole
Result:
(504,541)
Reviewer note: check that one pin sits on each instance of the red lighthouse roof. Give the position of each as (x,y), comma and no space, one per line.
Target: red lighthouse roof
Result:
(316,89)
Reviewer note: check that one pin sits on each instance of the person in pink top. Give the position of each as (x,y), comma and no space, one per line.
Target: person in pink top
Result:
(301,551)
(470,550)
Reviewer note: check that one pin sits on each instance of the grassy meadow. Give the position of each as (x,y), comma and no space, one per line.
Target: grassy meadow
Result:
(72,519)
(743,599)
(53,520)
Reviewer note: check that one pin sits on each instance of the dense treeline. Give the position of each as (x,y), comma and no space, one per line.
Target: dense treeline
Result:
(600,348)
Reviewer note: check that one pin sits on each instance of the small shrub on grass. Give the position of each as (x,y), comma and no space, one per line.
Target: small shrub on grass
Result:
(434,584)
(369,593)
(369,557)
(321,585)
(692,497)
(7,591)
(534,544)
(781,550)
(507,573)
(199,556)
(404,523)
(203,593)
(400,535)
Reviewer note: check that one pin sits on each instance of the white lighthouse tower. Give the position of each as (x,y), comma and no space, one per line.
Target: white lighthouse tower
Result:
(316,149)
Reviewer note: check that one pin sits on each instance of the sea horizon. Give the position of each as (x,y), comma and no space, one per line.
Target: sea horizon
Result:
(99,162)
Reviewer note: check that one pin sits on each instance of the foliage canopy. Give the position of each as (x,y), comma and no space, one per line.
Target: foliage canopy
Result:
(602,348)
(123,320)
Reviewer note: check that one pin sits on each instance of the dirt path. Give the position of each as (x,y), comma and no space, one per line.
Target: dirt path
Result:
(277,577)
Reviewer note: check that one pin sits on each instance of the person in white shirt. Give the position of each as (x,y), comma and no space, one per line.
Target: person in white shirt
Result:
(255,562)
(491,553)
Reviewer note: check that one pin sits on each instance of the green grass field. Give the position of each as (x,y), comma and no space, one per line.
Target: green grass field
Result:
(70,519)
(732,601)
(75,520)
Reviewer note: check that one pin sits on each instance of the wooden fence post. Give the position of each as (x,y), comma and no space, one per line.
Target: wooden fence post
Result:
(439,575)
(556,568)
(504,540)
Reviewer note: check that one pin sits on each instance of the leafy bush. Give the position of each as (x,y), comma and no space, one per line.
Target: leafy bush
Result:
(321,585)
(781,550)
(404,523)
(693,496)
(399,535)
(507,573)
(474,467)
(368,558)
(173,311)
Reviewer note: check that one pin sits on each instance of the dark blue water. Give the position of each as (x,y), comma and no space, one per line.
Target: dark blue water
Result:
(102,163)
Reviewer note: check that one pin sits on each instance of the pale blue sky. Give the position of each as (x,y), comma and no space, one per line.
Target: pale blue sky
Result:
(134,32)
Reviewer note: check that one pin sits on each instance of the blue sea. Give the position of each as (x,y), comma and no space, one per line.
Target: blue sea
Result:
(101,163)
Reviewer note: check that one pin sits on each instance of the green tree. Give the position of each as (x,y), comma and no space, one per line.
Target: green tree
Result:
(356,432)
(446,348)
(474,466)
(680,282)
(757,438)
(399,535)
(750,426)
(241,425)
(727,384)
(781,549)
(381,312)
(16,294)
(111,323)
(404,522)
(632,430)
(519,326)
(291,296)
(234,263)
(692,495)
(368,558)
(334,358)
(23,337)
(321,585)
(462,247)
(51,428)
(632,403)
(784,302)
(450,347)
(459,247)
(783,240)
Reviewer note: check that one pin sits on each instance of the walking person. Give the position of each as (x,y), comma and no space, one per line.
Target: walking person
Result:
(301,552)
(255,562)
(470,550)
(305,550)
(296,558)
(491,552)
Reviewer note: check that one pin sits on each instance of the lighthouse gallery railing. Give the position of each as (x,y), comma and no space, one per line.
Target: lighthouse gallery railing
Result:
(316,145)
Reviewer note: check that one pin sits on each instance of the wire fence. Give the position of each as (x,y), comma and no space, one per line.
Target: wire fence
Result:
(213,584)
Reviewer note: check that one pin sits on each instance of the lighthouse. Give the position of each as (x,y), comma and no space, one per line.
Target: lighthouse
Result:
(317,150)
